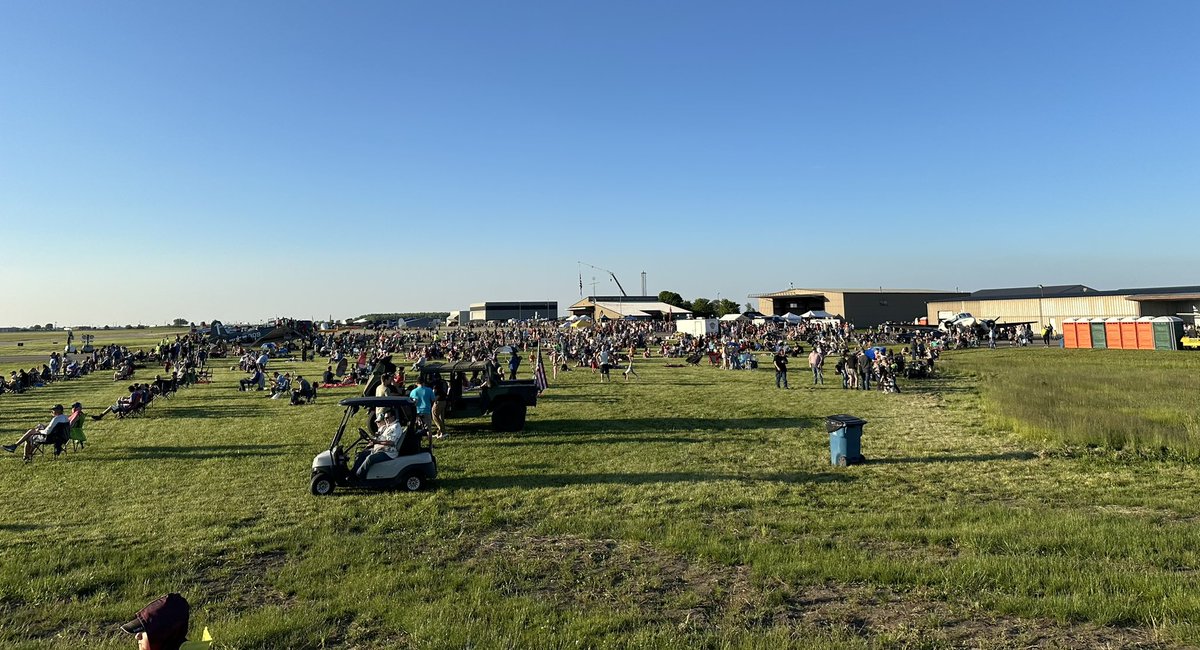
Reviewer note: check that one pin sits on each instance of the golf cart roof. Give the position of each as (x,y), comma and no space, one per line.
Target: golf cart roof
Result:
(454,366)
(385,402)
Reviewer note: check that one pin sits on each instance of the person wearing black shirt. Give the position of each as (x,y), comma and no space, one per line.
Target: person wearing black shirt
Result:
(780,362)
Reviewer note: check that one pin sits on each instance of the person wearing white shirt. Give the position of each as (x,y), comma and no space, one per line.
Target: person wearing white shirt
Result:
(384,446)
(37,435)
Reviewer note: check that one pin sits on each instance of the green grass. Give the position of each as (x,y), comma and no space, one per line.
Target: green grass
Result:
(1141,401)
(695,508)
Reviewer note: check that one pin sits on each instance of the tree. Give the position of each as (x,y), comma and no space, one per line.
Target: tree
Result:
(726,306)
(179,322)
(749,307)
(703,307)
(36,327)
(49,326)
(671,298)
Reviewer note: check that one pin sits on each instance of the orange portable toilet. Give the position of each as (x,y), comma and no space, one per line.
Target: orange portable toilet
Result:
(1112,333)
(1129,333)
(1083,333)
(1070,339)
(1145,333)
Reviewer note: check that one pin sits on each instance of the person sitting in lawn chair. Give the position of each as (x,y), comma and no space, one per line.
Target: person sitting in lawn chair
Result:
(56,432)
(304,393)
(124,406)
(257,379)
(282,385)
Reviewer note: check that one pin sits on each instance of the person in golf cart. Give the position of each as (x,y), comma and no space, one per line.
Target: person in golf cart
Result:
(384,446)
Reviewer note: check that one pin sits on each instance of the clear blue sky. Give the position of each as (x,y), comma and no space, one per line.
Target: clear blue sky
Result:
(241,160)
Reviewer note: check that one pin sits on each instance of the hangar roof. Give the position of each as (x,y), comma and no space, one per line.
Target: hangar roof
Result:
(1080,290)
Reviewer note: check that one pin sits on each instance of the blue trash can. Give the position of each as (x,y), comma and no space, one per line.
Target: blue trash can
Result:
(845,439)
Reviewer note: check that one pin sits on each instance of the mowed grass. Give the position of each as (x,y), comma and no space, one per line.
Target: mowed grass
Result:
(693,508)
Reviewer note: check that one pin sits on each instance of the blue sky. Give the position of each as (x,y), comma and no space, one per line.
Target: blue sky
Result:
(241,160)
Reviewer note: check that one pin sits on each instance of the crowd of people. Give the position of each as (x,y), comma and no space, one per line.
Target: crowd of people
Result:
(863,358)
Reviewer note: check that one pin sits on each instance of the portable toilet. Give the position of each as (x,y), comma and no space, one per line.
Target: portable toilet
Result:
(1112,333)
(1129,333)
(1070,336)
(1083,333)
(1167,332)
(1097,327)
(1145,333)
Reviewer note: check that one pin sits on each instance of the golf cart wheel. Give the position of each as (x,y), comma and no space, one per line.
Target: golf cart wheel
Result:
(413,482)
(322,485)
(509,416)
(842,462)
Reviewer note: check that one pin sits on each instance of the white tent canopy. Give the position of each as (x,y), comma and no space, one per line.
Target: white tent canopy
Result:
(733,317)
(791,318)
(817,314)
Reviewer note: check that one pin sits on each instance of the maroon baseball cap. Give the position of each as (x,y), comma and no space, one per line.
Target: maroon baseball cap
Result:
(165,619)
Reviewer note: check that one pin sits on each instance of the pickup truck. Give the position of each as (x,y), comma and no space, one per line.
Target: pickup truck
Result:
(506,401)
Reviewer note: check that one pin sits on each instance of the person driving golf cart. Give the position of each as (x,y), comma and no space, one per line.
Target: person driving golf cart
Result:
(384,446)
(395,456)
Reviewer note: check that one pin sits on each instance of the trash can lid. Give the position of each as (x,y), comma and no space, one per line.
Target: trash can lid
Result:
(835,422)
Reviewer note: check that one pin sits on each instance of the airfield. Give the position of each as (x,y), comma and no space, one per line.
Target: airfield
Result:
(1025,497)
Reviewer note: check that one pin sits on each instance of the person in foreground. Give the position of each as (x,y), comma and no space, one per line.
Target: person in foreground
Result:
(161,625)
(38,434)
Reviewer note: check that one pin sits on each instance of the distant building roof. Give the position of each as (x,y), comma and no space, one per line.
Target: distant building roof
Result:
(798,292)
(637,309)
(1080,290)
(1047,291)
(618,299)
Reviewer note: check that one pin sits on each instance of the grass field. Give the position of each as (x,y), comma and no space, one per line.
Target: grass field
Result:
(693,508)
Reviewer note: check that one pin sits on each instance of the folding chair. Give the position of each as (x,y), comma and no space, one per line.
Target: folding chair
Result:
(57,436)
(76,436)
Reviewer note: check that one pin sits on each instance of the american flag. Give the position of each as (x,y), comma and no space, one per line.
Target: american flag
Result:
(539,373)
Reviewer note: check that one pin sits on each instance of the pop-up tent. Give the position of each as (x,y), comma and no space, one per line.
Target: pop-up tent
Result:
(791,318)
(729,318)
(818,314)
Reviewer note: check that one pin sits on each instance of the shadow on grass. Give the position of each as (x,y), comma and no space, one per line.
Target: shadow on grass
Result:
(166,410)
(658,425)
(202,452)
(608,438)
(563,480)
(970,458)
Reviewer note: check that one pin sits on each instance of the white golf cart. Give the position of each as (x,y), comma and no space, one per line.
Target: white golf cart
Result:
(412,470)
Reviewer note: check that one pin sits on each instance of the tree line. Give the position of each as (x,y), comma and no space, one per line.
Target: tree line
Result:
(701,307)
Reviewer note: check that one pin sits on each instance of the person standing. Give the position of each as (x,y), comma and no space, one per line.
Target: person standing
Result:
(816,361)
(514,362)
(864,363)
(422,396)
(780,361)
(441,399)
(605,360)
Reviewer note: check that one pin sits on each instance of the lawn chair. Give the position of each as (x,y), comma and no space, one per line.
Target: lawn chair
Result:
(76,436)
(57,436)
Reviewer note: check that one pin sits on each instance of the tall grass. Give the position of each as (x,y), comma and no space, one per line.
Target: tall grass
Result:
(1117,399)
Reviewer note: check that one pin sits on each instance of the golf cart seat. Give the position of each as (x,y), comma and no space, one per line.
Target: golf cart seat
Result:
(410,442)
